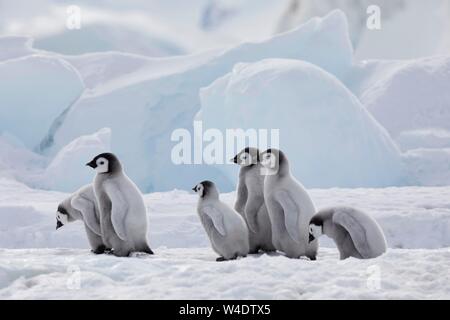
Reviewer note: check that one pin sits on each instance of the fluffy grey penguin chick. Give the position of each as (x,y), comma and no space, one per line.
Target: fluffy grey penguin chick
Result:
(250,200)
(289,205)
(82,205)
(123,217)
(225,228)
(355,233)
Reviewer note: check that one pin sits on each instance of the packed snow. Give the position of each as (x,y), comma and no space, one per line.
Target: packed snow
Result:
(39,262)
(192,274)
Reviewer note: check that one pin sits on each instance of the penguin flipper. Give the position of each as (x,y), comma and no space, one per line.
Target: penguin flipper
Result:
(119,210)
(356,232)
(290,211)
(217,219)
(87,209)
(254,203)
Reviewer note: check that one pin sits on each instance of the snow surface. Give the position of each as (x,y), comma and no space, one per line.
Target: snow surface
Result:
(39,262)
(193,274)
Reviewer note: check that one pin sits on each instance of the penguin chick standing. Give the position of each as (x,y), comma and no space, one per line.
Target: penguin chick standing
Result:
(123,217)
(82,205)
(250,200)
(226,229)
(289,205)
(355,233)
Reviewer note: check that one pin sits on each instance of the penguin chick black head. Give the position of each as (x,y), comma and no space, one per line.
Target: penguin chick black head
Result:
(205,188)
(62,217)
(315,228)
(247,157)
(105,163)
(274,160)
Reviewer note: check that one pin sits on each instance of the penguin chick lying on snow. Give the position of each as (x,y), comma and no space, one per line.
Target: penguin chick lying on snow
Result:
(226,229)
(82,206)
(355,233)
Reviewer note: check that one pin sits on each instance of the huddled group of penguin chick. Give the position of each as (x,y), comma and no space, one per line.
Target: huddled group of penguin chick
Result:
(273,211)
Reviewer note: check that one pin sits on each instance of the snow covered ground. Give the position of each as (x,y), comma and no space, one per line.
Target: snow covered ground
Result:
(192,273)
(38,262)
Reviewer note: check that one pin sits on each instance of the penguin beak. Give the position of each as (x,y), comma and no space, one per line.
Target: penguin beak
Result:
(234,160)
(58,224)
(194,189)
(91,164)
(311,238)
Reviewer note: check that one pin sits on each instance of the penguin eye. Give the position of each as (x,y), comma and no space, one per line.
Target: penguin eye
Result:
(102,163)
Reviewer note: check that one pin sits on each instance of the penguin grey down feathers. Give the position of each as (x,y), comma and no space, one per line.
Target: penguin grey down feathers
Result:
(82,205)
(225,228)
(355,233)
(289,205)
(123,216)
(250,200)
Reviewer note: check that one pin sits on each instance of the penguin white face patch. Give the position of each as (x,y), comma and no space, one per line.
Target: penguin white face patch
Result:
(61,217)
(102,165)
(245,159)
(199,189)
(315,230)
(270,162)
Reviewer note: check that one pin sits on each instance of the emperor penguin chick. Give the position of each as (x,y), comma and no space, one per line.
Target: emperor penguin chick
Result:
(123,217)
(225,228)
(82,205)
(289,205)
(355,233)
(250,200)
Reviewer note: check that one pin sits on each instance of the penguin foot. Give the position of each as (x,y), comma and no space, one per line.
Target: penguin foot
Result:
(99,250)
(220,259)
(313,258)
(148,250)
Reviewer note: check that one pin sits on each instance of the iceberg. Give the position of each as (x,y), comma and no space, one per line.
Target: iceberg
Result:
(330,138)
